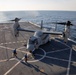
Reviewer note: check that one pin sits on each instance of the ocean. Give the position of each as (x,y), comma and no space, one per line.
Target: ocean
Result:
(46,16)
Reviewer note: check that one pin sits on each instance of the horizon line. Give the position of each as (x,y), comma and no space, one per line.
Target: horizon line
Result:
(36,10)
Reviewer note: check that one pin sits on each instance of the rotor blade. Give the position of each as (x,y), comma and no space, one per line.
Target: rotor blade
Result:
(27,30)
(62,23)
(11,20)
(14,19)
(51,32)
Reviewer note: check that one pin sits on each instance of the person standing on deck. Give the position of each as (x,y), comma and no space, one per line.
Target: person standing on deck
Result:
(25,58)
(32,54)
(14,53)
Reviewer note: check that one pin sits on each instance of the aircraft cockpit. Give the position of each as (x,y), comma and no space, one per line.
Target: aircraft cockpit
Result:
(32,43)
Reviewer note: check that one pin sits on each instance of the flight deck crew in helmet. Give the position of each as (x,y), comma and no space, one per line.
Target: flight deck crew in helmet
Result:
(33,54)
(25,58)
(14,53)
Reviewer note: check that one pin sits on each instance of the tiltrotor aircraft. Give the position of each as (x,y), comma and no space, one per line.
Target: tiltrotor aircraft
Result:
(40,37)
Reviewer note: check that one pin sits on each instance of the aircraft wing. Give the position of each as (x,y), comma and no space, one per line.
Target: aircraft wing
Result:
(27,30)
(45,32)
(51,32)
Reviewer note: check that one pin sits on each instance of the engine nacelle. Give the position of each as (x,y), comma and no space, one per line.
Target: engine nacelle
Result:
(16,31)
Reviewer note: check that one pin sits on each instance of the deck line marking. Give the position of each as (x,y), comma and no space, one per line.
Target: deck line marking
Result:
(63,43)
(70,56)
(43,56)
(6,47)
(68,69)
(60,59)
(71,40)
(53,58)
(12,42)
(57,50)
(6,60)
(18,41)
(56,58)
(2,43)
(21,41)
(13,67)
(12,49)
(9,42)
(21,47)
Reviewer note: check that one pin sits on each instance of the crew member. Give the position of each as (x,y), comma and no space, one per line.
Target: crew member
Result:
(14,53)
(25,58)
(32,53)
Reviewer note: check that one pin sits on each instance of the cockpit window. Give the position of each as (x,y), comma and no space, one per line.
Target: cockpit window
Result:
(30,41)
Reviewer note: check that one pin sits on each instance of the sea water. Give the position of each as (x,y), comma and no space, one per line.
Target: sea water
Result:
(47,16)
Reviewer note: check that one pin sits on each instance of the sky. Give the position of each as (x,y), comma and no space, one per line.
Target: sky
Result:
(14,5)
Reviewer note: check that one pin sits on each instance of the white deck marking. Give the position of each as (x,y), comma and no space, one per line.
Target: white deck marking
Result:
(53,58)
(38,59)
(62,43)
(26,52)
(56,58)
(71,40)
(21,47)
(1,43)
(13,67)
(6,60)
(6,47)
(12,42)
(23,51)
(57,50)
(12,49)
(68,69)
(18,41)
(69,62)
(21,41)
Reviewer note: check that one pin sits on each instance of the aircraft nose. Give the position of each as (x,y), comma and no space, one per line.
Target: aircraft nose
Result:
(30,47)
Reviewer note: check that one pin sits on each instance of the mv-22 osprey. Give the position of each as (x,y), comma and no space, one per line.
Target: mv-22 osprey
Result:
(40,37)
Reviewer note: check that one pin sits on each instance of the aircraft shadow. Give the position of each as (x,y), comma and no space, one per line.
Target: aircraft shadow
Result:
(59,58)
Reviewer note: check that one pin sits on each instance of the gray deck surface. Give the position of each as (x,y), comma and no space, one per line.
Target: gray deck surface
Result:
(52,58)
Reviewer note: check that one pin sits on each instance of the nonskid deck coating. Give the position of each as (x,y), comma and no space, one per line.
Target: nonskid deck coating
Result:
(50,59)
